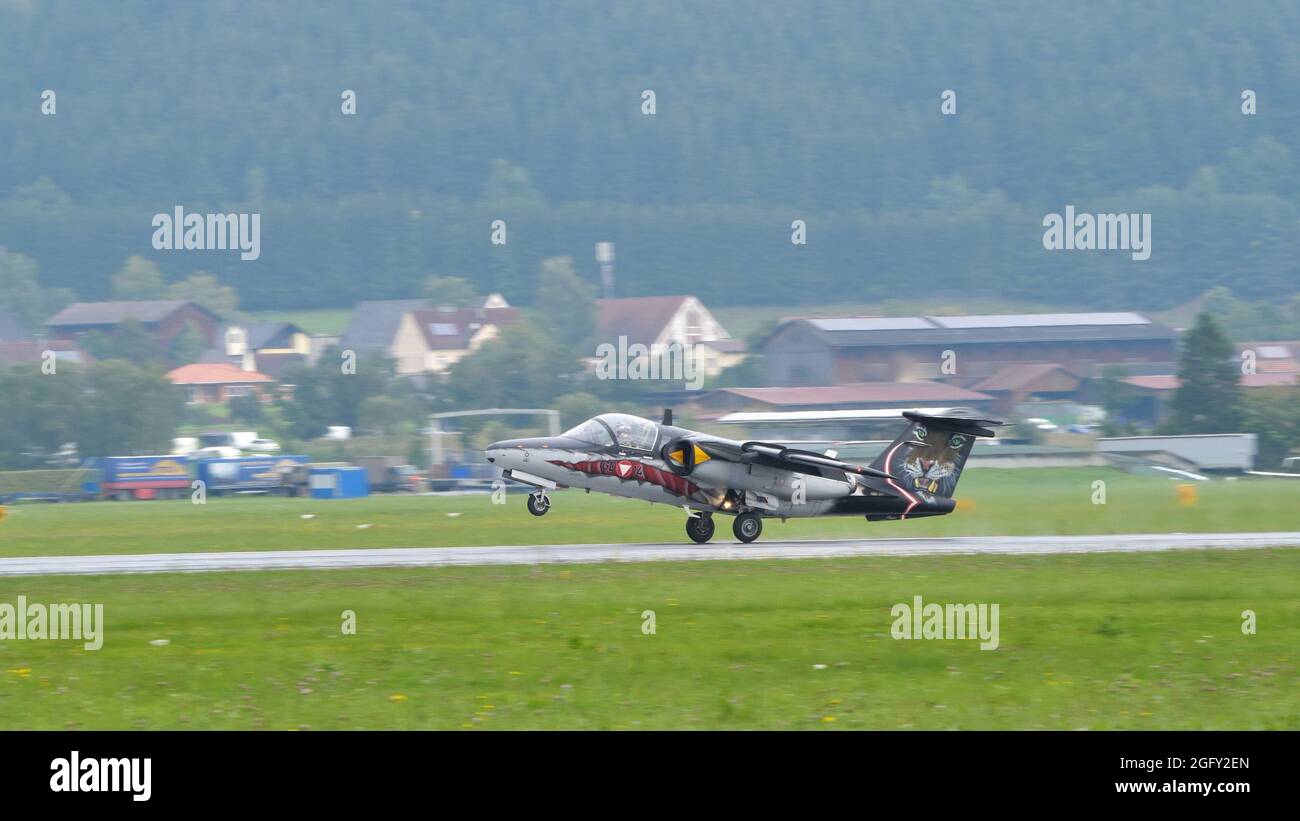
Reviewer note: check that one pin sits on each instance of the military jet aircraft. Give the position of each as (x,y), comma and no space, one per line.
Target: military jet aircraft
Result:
(629,456)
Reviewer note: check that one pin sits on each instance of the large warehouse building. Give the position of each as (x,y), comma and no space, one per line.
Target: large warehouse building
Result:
(833,351)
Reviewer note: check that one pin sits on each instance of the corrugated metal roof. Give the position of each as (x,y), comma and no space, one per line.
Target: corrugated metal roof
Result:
(872,323)
(853,332)
(1038,320)
(859,392)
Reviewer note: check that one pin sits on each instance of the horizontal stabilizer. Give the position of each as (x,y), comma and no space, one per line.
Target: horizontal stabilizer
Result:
(957,424)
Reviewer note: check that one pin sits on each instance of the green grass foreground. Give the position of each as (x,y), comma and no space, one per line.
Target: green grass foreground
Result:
(1140,641)
(995,502)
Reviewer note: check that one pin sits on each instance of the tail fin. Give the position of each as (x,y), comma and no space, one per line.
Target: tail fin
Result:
(929,455)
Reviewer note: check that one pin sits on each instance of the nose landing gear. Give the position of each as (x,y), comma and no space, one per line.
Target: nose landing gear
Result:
(538,503)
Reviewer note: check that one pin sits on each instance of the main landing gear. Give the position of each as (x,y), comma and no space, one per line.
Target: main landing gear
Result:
(538,503)
(700,528)
(747,526)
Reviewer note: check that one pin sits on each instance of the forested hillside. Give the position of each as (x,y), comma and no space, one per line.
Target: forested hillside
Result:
(471,111)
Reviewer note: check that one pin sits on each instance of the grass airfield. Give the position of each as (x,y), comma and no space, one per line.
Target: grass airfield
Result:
(993,502)
(1101,641)
(1131,641)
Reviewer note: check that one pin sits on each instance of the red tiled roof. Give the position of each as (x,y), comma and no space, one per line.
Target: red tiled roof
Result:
(214,374)
(1169,382)
(860,392)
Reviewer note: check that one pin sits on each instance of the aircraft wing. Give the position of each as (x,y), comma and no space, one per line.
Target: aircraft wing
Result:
(786,458)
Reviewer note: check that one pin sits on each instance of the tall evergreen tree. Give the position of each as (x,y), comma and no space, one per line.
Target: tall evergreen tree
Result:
(1207,398)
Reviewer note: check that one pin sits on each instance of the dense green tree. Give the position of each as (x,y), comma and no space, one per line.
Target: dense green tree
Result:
(128,341)
(1207,398)
(1274,417)
(139,278)
(128,409)
(21,293)
(565,307)
(577,406)
(40,412)
(326,394)
(204,289)
(522,367)
(762,117)
(109,408)
(456,292)
(187,346)
(247,409)
(381,415)
(1121,401)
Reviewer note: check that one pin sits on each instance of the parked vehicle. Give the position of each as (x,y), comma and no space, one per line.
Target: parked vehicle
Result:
(144,477)
(250,474)
(218,452)
(297,478)
(1040,423)
(262,446)
(239,439)
(388,475)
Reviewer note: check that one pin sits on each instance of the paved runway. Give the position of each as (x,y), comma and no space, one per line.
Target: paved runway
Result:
(593,553)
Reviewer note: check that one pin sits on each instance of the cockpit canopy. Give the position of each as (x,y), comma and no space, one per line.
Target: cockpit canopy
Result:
(622,429)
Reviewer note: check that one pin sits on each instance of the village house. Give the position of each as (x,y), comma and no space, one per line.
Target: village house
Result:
(658,322)
(164,319)
(374,327)
(267,347)
(433,340)
(213,383)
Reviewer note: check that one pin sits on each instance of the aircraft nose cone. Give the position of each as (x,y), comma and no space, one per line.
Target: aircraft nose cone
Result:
(501,453)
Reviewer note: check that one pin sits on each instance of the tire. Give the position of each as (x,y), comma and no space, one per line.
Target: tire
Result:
(747,527)
(538,504)
(700,528)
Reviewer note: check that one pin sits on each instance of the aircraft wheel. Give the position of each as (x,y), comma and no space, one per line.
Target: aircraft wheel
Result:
(747,527)
(538,504)
(700,528)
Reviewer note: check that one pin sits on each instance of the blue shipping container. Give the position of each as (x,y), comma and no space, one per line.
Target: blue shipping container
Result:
(339,483)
